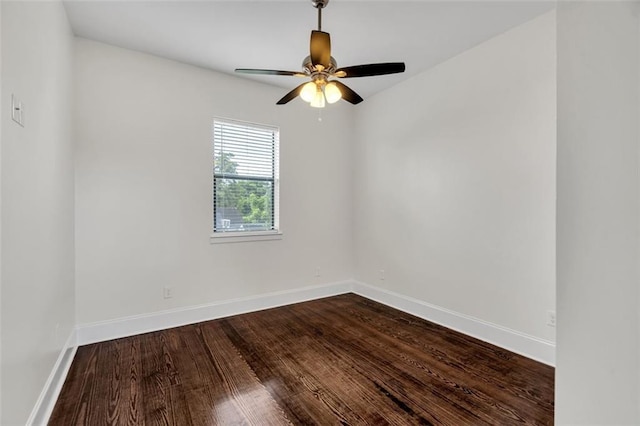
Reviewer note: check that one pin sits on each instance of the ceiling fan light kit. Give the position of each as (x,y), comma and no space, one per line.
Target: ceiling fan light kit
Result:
(322,69)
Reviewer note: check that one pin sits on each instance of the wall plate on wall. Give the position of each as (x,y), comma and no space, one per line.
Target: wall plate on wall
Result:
(17,110)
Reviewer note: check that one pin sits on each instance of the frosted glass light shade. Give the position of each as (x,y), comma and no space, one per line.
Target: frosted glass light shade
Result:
(318,100)
(332,92)
(308,92)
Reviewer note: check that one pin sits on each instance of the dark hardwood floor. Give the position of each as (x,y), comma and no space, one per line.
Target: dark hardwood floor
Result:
(339,360)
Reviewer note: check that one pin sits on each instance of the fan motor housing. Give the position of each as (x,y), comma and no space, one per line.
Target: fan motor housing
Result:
(309,68)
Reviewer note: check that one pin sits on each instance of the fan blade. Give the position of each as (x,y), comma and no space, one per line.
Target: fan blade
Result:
(348,94)
(369,70)
(291,95)
(270,72)
(321,48)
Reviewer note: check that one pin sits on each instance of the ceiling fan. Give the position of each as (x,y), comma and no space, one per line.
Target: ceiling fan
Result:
(322,69)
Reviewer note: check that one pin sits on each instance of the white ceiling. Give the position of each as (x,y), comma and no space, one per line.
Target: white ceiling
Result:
(224,35)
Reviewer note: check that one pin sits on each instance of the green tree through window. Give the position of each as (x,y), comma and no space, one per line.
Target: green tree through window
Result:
(244,179)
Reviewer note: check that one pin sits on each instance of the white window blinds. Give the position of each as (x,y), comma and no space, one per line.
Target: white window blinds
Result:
(245,177)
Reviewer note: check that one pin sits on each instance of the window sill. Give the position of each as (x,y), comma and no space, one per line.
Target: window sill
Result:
(242,237)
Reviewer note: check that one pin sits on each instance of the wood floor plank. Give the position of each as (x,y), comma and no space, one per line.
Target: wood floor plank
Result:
(475,359)
(202,381)
(334,364)
(340,360)
(276,369)
(381,373)
(345,381)
(164,402)
(457,387)
(72,411)
(130,409)
(243,388)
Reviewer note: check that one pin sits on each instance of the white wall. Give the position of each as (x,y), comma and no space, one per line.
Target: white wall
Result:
(455,182)
(143,187)
(597,214)
(37,312)
(2,111)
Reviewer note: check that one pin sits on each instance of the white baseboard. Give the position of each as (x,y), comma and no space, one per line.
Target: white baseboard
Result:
(52,387)
(129,326)
(512,340)
(515,341)
(529,346)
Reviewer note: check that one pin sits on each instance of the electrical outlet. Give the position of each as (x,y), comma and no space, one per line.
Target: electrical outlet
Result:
(17,110)
(382,274)
(551,318)
(167,292)
(317,271)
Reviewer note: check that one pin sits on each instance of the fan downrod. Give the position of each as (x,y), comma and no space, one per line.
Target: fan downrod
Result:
(320,4)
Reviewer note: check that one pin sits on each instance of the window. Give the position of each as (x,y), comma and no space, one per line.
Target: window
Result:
(245,179)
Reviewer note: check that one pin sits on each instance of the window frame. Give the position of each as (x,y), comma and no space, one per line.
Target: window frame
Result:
(237,235)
